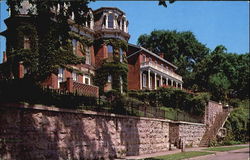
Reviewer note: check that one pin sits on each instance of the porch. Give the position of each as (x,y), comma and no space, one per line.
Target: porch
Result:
(153,76)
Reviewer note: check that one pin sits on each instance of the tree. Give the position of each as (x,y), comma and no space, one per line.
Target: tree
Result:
(180,48)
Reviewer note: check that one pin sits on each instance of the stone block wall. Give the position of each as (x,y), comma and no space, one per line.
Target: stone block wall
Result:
(191,133)
(211,111)
(39,132)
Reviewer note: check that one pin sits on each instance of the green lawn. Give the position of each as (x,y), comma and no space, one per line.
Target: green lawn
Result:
(223,149)
(179,156)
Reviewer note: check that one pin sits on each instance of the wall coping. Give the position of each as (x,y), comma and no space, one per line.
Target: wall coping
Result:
(85,112)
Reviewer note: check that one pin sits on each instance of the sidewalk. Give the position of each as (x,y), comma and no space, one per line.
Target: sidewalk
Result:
(177,151)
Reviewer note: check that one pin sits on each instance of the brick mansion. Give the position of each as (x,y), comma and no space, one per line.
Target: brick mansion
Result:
(146,70)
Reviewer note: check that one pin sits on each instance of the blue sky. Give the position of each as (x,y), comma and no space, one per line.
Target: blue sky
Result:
(213,23)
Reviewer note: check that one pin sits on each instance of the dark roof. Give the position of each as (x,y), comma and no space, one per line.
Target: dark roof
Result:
(108,8)
(151,53)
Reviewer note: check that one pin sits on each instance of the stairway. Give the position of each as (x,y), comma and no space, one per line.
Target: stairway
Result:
(211,132)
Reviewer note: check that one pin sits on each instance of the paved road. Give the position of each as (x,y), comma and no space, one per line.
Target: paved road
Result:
(240,154)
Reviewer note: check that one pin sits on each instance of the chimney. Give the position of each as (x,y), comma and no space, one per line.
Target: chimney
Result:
(161,55)
(4,57)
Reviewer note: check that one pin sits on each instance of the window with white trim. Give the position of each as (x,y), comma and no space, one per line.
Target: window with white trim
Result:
(109,78)
(60,76)
(74,76)
(87,56)
(110,21)
(86,79)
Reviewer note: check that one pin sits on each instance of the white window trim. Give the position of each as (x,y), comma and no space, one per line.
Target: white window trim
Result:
(144,80)
(74,76)
(60,76)
(86,77)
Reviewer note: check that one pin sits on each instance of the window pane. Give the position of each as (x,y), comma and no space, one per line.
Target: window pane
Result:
(109,78)
(74,76)
(110,21)
(121,55)
(74,44)
(88,58)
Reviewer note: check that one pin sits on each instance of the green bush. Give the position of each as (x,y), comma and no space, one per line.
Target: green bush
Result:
(174,98)
(24,90)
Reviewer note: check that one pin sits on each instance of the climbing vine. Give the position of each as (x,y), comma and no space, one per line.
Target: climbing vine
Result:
(115,70)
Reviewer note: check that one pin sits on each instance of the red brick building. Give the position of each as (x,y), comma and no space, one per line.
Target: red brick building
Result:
(147,70)
(104,23)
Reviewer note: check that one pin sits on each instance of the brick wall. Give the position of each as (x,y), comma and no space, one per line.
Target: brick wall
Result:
(39,132)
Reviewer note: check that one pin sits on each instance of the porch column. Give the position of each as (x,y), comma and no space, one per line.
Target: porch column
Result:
(181,85)
(149,86)
(155,81)
(141,80)
(161,81)
(172,82)
(176,84)
(167,81)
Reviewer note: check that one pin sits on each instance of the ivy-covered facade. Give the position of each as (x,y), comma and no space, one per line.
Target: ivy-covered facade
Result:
(93,58)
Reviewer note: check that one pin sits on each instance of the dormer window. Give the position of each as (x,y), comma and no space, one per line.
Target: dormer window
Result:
(26,42)
(111,21)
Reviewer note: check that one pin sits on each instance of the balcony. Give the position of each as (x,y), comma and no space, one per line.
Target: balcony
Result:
(158,68)
(80,88)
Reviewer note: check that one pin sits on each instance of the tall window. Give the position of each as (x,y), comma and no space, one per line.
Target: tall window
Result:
(60,76)
(109,78)
(88,57)
(74,76)
(144,58)
(86,79)
(110,51)
(121,55)
(74,44)
(121,83)
(26,42)
(111,21)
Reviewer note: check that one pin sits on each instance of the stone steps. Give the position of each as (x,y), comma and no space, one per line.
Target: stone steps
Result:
(211,133)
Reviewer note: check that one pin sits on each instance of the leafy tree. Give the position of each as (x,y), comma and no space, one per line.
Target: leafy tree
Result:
(180,48)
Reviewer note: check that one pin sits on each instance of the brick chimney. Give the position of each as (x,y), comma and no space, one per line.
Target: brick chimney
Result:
(161,55)
(4,57)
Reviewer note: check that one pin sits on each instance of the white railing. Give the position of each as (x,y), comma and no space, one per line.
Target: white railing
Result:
(161,69)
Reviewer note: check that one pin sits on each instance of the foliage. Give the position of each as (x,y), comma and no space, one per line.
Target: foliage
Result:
(224,75)
(238,124)
(174,98)
(25,90)
(179,48)
(115,69)
(48,33)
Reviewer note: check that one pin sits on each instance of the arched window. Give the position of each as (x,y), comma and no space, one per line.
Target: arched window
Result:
(74,44)
(111,21)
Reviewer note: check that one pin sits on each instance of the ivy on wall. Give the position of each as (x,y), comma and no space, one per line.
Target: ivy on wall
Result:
(115,69)
(112,66)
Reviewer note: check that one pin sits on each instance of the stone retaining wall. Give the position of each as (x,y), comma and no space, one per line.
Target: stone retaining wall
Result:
(211,111)
(38,133)
(191,133)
